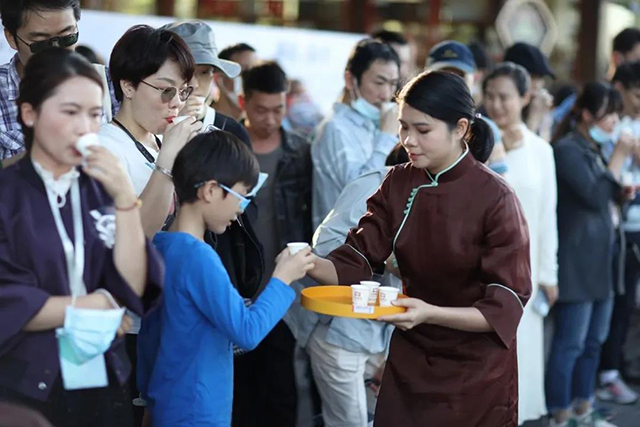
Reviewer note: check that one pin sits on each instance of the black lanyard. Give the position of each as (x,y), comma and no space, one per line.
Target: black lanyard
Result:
(141,148)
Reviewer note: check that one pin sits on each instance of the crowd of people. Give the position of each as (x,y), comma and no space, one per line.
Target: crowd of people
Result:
(147,281)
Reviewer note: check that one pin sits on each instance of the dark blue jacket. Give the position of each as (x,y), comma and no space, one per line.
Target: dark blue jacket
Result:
(587,195)
(33,268)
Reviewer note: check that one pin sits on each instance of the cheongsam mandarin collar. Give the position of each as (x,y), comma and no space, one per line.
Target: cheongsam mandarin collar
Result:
(455,170)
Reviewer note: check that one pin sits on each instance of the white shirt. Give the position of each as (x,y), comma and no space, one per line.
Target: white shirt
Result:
(135,164)
(346,145)
(532,174)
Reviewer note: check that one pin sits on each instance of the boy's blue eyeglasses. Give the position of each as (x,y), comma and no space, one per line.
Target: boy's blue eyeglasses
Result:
(244,200)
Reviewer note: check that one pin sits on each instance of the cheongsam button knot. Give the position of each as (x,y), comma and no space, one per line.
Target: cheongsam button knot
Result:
(42,386)
(406,211)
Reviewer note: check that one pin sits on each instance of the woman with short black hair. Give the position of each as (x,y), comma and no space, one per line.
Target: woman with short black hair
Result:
(151,70)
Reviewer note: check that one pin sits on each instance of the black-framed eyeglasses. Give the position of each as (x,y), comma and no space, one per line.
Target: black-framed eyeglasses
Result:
(169,93)
(63,41)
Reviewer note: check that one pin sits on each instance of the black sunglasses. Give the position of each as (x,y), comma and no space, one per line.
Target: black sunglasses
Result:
(169,93)
(64,41)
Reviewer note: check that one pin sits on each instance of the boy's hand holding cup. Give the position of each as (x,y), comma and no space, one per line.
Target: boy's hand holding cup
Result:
(294,262)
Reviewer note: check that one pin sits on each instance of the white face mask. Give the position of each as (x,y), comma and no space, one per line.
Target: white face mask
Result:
(600,136)
(87,334)
(364,107)
(233,95)
(237,85)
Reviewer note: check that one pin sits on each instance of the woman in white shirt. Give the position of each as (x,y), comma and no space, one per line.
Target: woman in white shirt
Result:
(151,70)
(531,173)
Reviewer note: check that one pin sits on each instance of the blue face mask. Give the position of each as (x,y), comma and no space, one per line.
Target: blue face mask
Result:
(86,336)
(363,106)
(600,136)
(367,109)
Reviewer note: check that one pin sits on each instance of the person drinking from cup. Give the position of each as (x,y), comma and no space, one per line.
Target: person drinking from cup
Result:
(72,252)
(531,173)
(589,163)
(362,130)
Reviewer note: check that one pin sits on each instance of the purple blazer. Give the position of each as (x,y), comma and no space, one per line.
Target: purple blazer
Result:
(33,268)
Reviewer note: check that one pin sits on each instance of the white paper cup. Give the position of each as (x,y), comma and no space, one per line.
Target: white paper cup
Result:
(86,141)
(179,119)
(360,295)
(387,294)
(296,247)
(373,298)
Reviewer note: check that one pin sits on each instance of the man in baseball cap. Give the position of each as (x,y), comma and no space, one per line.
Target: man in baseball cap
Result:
(533,60)
(201,40)
(454,57)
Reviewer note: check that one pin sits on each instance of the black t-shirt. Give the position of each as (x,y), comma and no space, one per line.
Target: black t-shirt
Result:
(239,247)
(233,127)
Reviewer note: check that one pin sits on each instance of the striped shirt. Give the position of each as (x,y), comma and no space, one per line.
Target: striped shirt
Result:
(11,137)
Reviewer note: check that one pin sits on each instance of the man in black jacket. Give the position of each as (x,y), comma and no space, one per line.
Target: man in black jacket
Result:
(265,390)
(239,247)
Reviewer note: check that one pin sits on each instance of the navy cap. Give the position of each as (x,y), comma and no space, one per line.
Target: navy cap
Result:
(451,54)
(531,58)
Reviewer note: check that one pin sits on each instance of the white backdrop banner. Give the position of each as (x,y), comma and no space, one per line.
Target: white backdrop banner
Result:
(317,58)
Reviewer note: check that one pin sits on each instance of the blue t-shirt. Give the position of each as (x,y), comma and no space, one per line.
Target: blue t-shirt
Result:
(185,352)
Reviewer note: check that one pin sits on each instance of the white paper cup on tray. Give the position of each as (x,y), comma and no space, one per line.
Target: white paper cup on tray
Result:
(387,294)
(296,247)
(373,297)
(360,295)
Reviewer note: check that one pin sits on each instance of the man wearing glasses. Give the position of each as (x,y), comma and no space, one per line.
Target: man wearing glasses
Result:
(29,27)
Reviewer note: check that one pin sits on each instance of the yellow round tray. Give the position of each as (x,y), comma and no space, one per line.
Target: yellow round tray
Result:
(336,301)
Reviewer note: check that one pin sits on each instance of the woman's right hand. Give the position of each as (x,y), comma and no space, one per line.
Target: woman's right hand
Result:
(627,143)
(104,167)
(175,138)
(290,268)
(194,107)
(512,137)
(389,120)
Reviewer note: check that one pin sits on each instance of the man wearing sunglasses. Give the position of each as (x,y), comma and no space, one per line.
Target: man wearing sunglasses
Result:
(29,27)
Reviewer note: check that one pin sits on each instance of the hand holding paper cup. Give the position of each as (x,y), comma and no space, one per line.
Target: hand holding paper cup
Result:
(86,141)
(179,119)
(387,295)
(296,247)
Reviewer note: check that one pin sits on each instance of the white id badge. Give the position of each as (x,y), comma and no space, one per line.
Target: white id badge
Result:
(91,374)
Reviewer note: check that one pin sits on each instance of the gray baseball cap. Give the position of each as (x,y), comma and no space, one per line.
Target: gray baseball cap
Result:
(199,36)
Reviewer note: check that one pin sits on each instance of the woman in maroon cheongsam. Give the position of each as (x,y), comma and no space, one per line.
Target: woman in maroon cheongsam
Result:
(462,247)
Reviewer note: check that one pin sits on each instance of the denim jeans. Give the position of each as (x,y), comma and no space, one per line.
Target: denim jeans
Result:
(580,330)
(623,307)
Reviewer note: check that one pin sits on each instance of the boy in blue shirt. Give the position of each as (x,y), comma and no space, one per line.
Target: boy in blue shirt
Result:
(185,363)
